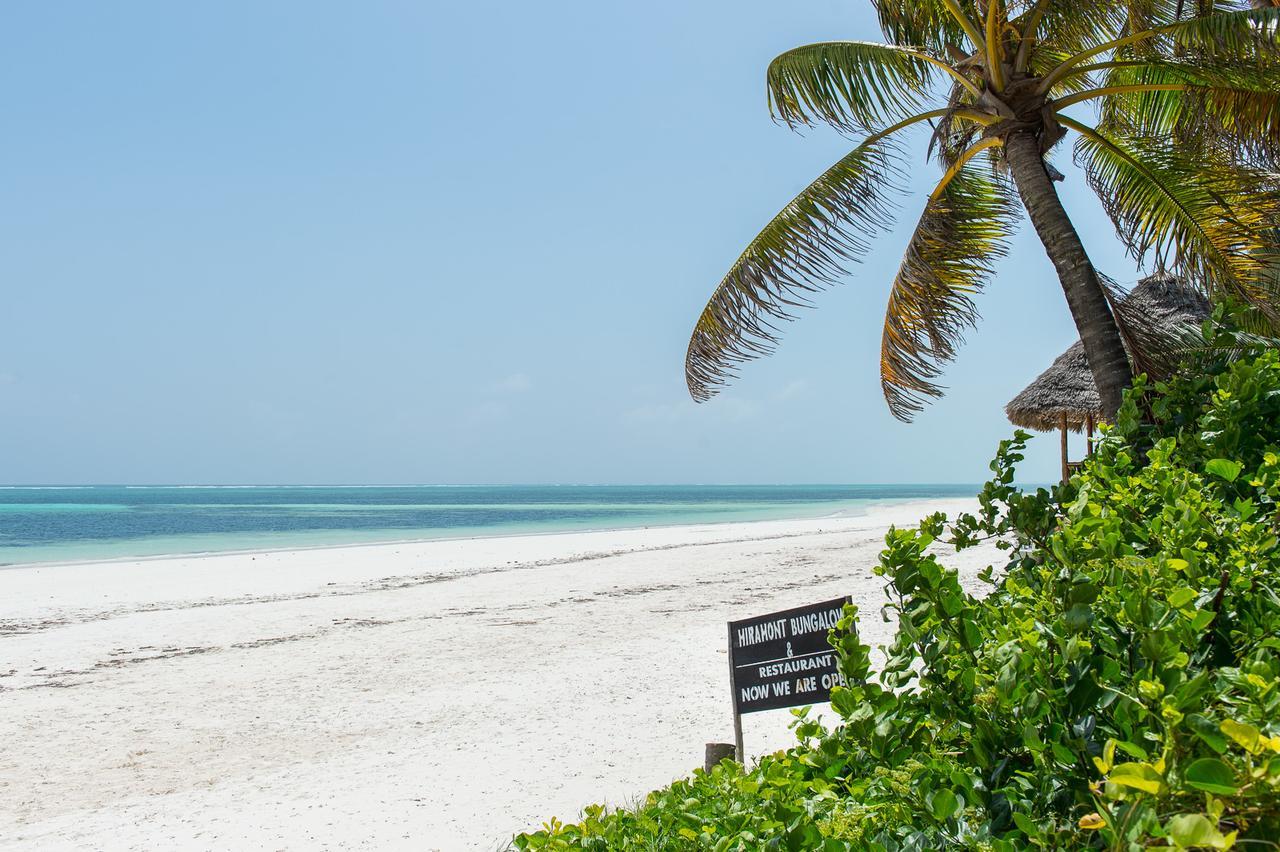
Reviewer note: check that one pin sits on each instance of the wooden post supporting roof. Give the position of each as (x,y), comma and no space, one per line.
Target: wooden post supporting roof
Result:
(1066,470)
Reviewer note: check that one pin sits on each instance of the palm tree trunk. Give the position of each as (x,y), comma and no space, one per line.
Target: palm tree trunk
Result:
(1085,296)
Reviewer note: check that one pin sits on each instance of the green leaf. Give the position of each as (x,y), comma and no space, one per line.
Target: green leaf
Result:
(1139,776)
(1191,830)
(1132,749)
(1224,468)
(1181,597)
(1026,824)
(1207,731)
(1244,734)
(1064,755)
(943,804)
(1108,758)
(1212,776)
(1031,738)
(1202,619)
(1078,617)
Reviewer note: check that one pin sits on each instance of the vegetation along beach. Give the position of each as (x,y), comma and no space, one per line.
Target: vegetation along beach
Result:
(355,494)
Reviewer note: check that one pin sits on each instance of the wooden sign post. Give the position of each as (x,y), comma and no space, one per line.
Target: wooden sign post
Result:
(783,659)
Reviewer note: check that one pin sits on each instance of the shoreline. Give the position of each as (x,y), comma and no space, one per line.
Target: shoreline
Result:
(888,503)
(218,543)
(877,504)
(434,695)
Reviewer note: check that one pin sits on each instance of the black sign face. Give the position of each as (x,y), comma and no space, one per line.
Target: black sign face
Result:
(784,659)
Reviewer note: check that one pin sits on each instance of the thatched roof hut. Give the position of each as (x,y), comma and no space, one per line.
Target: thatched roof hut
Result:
(1065,390)
(1064,397)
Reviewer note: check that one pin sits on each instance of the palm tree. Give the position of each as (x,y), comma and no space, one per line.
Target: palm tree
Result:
(1180,150)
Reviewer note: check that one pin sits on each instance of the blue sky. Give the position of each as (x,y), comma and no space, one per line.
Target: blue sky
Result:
(423,242)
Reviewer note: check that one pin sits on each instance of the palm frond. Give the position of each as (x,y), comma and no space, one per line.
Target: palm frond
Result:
(1077,26)
(1232,72)
(1244,33)
(950,257)
(805,248)
(1069,28)
(851,85)
(1261,317)
(1224,35)
(926,23)
(957,128)
(1146,14)
(996,55)
(1209,224)
(1152,342)
(1240,124)
(1226,103)
(1220,110)
(1046,57)
(1230,344)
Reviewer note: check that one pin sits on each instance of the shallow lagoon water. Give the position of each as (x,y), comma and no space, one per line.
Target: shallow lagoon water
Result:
(57,524)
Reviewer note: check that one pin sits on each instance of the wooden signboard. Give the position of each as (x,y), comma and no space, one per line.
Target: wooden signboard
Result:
(783,659)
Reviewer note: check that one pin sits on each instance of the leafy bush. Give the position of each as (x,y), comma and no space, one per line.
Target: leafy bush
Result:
(1118,689)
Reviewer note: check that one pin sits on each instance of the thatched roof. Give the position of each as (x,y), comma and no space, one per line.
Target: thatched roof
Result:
(1158,301)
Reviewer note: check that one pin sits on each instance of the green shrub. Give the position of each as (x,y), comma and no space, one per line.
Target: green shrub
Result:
(1119,688)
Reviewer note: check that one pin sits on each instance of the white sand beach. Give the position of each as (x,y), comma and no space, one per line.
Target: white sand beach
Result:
(432,695)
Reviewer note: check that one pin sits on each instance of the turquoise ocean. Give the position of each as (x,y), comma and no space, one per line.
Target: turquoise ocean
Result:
(59,524)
